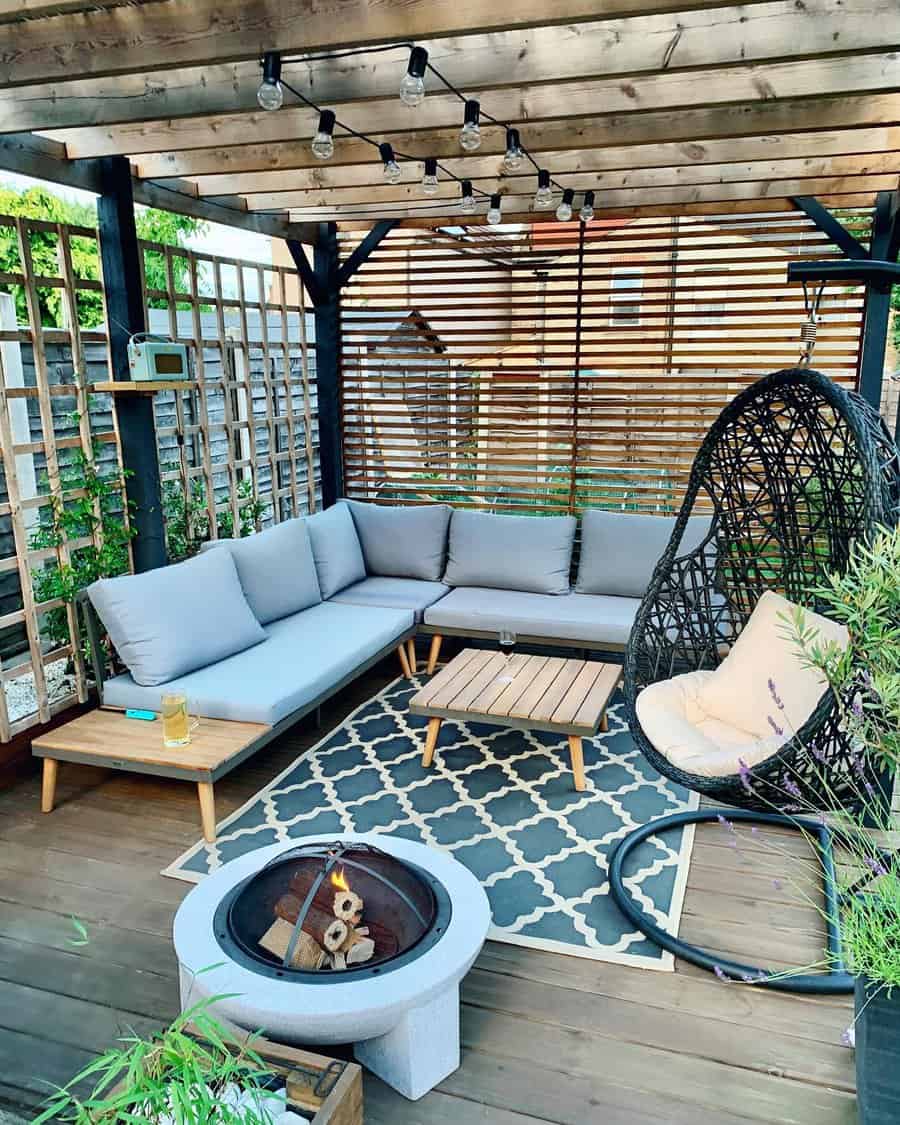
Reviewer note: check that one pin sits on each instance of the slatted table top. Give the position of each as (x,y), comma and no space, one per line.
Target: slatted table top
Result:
(105,737)
(550,693)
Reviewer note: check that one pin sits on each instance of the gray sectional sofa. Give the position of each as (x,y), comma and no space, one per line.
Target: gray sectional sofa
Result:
(264,629)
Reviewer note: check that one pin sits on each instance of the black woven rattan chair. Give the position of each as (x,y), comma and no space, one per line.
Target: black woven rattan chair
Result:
(793,471)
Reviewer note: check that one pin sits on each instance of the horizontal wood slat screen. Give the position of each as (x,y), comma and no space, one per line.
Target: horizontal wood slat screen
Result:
(552,367)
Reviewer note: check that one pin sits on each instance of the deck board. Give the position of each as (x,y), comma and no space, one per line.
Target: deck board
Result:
(546,1038)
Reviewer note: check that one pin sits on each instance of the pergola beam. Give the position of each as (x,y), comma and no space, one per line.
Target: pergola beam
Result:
(828,224)
(643,49)
(519,105)
(593,131)
(191,32)
(43,159)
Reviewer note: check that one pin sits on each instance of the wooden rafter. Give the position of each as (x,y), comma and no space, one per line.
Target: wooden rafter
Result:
(643,49)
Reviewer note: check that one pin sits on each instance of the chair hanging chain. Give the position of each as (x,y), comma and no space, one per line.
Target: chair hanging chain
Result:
(810,325)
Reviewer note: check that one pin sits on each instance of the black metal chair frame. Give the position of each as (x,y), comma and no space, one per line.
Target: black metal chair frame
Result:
(793,471)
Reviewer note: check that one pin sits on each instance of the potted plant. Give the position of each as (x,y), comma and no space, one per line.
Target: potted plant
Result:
(192,1072)
(865,680)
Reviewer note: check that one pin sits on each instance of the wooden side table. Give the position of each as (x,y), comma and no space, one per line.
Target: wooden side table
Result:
(548,693)
(105,737)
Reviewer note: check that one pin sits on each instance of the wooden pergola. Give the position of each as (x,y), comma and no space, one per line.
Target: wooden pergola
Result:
(659,107)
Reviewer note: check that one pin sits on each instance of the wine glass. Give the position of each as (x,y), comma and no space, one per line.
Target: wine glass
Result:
(507,639)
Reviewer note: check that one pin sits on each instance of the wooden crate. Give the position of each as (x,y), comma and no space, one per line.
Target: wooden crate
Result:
(329,1088)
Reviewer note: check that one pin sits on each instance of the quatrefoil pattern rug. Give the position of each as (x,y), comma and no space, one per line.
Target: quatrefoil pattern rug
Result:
(503,803)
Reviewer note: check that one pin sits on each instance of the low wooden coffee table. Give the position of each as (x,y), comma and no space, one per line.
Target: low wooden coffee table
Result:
(528,692)
(107,738)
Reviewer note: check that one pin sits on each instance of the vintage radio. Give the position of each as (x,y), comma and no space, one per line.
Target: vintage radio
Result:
(154,357)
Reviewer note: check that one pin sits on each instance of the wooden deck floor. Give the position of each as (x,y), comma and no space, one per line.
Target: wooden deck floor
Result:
(546,1038)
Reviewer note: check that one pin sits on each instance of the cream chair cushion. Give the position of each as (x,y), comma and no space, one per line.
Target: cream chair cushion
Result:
(708,722)
(738,692)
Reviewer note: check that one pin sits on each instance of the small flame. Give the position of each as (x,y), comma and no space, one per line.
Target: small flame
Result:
(339,880)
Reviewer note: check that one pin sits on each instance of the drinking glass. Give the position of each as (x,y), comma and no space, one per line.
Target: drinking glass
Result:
(177,725)
(507,639)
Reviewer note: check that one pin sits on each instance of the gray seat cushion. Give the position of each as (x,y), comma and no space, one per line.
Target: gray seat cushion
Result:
(336,550)
(591,618)
(620,550)
(276,569)
(403,541)
(167,622)
(398,593)
(510,552)
(302,657)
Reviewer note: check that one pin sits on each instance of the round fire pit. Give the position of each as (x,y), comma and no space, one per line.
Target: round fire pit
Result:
(354,939)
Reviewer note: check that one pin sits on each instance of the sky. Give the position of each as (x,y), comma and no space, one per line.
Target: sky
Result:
(218,239)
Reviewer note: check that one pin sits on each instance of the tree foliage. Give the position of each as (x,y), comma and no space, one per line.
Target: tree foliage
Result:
(40,203)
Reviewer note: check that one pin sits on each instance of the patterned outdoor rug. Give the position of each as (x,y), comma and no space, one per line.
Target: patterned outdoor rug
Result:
(502,802)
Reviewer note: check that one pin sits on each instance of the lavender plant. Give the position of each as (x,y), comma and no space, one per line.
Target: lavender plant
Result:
(864,678)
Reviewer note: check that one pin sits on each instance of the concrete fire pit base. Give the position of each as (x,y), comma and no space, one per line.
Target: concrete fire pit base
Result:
(404,1023)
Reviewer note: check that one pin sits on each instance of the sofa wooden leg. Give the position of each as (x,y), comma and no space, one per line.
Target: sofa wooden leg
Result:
(577,762)
(434,653)
(48,784)
(207,810)
(411,655)
(431,737)
(404,660)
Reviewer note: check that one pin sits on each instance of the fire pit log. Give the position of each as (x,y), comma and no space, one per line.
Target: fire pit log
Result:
(358,948)
(386,944)
(328,931)
(346,905)
(308,954)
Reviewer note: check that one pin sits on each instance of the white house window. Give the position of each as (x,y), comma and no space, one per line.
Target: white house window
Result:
(625,296)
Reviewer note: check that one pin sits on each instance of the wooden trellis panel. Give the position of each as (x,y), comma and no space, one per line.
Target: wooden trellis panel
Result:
(47,417)
(244,431)
(579,366)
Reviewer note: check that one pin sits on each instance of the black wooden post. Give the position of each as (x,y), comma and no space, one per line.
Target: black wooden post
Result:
(125,315)
(878,303)
(323,281)
(328,363)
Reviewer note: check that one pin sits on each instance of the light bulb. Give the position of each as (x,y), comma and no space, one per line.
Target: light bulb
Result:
(470,134)
(493,215)
(412,88)
(587,207)
(392,171)
(543,197)
(468,199)
(430,180)
(270,94)
(564,210)
(514,157)
(323,141)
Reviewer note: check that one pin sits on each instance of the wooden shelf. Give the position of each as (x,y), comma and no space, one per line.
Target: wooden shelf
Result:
(146,387)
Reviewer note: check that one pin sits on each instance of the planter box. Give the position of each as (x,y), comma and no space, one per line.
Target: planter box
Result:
(330,1090)
(877,1054)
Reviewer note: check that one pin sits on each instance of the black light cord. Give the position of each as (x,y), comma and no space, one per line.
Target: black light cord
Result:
(450,86)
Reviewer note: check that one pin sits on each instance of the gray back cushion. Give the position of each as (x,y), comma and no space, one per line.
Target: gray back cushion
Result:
(336,550)
(531,553)
(276,569)
(167,622)
(620,550)
(403,542)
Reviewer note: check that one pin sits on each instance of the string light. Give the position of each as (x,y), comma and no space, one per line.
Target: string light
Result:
(514,157)
(412,88)
(543,197)
(430,180)
(392,171)
(323,141)
(564,210)
(270,94)
(470,134)
(468,199)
